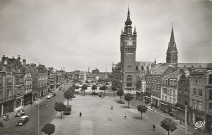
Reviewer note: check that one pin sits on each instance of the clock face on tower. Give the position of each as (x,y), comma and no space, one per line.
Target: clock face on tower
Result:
(129,42)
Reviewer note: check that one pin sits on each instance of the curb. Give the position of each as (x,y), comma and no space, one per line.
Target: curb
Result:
(166,117)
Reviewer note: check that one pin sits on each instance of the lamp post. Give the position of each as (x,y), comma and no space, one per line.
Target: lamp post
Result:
(38,115)
(186,119)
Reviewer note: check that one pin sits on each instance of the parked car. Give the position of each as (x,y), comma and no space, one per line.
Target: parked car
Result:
(67,110)
(20,113)
(94,93)
(121,102)
(48,96)
(23,120)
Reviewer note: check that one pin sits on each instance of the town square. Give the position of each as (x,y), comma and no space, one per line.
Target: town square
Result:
(105,67)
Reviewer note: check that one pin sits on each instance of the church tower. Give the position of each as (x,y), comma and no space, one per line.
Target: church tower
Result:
(172,53)
(128,55)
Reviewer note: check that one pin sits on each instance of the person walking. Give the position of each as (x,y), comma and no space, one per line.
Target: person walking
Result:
(125,116)
(153,127)
(111,107)
(80,114)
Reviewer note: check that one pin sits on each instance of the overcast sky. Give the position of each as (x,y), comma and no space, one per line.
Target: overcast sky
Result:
(79,34)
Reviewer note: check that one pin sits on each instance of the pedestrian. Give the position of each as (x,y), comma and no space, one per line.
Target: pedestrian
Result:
(80,114)
(125,116)
(153,127)
(111,107)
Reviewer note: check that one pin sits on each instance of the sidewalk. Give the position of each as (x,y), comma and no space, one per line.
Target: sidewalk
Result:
(190,128)
(12,114)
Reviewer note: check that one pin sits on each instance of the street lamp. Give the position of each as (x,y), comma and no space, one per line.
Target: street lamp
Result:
(186,119)
(38,99)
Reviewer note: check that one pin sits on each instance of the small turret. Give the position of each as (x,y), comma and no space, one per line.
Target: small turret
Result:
(135,33)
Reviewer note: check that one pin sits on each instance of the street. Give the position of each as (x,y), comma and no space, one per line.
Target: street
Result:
(46,113)
(97,117)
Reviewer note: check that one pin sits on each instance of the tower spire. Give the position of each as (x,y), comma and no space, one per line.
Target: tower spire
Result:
(172,53)
(172,35)
(128,21)
(128,13)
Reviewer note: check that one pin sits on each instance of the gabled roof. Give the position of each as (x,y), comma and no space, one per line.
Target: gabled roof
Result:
(175,74)
(160,68)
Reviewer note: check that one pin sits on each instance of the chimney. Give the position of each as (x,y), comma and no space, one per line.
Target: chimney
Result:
(19,59)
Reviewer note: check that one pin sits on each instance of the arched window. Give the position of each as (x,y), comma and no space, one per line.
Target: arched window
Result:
(136,67)
(129,78)
(147,68)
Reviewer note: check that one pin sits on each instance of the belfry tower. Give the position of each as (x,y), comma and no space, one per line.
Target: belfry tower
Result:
(172,53)
(128,55)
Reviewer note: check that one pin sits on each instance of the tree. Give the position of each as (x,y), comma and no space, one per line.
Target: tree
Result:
(114,89)
(68,94)
(48,129)
(128,97)
(94,87)
(168,125)
(59,106)
(84,87)
(120,93)
(117,84)
(142,109)
(72,88)
(104,87)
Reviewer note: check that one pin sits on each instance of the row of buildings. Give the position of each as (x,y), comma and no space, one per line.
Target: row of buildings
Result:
(95,76)
(169,86)
(22,83)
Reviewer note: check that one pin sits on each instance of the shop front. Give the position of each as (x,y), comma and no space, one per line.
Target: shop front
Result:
(196,115)
(139,95)
(147,99)
(19,102)
(28,98)
(164,107)
(34,97)
(180,113)
(155,102)
(208,125)
(8,107)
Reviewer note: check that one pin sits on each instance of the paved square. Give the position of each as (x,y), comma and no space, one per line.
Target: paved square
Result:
(98,118)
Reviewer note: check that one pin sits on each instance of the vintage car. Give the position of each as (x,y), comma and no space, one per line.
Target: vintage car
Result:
(67,110)
(20,113)
(23,120)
